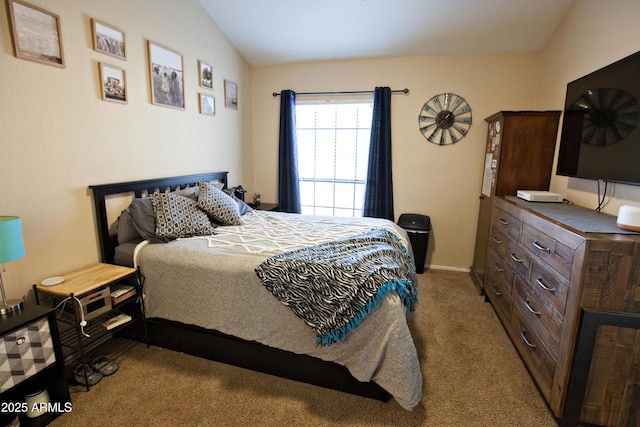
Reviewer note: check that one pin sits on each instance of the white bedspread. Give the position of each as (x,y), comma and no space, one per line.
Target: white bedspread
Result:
(211,282)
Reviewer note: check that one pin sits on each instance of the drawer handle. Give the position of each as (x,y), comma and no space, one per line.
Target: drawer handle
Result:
(20,340)
(523,331)
(495,290)
(503,221)
(545,287)
(498,268)
(498,241)
(516,259)
(531,310)
(540,247)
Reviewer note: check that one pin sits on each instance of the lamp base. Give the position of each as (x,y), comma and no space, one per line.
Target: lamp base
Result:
(10,306)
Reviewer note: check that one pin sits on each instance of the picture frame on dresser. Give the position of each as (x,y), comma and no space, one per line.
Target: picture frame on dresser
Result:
(36,34)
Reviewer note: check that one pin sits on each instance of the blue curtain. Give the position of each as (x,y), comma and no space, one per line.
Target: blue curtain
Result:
(378,195)
(288,189)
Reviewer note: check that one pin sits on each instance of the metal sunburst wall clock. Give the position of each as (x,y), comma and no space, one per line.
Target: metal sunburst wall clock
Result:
(445,119)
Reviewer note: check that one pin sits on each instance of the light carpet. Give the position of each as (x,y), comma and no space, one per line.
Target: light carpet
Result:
(472,376)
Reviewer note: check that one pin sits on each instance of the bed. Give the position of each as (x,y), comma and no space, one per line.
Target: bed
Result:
(203,296)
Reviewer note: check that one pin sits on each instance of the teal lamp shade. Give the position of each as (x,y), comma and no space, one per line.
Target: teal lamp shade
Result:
(11,248)
(11,244)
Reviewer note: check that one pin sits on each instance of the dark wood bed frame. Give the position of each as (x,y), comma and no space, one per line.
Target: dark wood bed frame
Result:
(212,344)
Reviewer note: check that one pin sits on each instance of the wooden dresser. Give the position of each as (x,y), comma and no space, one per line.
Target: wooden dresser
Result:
(545,263)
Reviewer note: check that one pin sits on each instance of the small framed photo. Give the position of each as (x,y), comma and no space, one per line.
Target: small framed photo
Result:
(113,83)
(167,80)
(36,34)
(108,39)
(205,73)
(207,104)
(230,95)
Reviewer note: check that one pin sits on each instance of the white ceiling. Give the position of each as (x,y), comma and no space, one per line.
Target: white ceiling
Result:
(270,32)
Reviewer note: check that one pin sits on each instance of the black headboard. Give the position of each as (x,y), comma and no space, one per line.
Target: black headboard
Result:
(139,188)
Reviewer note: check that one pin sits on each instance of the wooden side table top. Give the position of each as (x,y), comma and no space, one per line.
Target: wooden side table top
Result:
(84,280)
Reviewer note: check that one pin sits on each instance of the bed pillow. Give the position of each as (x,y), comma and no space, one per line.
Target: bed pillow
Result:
(190,192)
(126,230)
(242,206)
(178,216)
(144,220)
(220,207)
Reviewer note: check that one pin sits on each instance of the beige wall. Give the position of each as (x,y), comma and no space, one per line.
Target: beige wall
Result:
(593,34)
(59,137)
(440,181)
(444,182)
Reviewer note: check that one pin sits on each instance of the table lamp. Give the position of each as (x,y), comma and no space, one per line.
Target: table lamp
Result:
(11,248)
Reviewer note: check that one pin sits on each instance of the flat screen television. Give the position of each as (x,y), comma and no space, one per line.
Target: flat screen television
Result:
(600,136)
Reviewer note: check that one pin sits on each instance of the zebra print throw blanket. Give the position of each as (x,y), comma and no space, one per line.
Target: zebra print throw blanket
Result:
(333,286)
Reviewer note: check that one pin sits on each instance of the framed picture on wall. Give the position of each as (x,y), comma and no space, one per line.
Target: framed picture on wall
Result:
(207,104)
(113,83)
(108,39)
(205,74)
(230,95)
(36,34)
(167,79)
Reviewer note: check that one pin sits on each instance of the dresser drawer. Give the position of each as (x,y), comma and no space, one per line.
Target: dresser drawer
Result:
(519,260)
(498,285)
(499,241)
(547,249)
(539,359)
(550,286)
(538,312)
(25,352)
(506,223)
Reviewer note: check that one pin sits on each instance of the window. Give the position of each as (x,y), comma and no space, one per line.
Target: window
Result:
(333,153)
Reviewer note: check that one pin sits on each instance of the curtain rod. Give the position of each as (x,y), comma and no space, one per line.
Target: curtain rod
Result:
(357,92)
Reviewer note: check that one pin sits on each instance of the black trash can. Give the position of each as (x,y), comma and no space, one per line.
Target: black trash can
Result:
(418,228)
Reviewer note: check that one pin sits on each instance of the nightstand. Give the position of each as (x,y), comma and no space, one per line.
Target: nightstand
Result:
(87,307)
(265,206)
(31,361)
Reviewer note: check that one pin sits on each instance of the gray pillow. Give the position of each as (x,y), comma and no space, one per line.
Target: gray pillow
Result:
(177,216)
(220,207)
(190,192)
(144,220)
(244,208)
(126,230)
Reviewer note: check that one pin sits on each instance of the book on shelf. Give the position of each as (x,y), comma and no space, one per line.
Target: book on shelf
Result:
(120,293)
(117,320)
